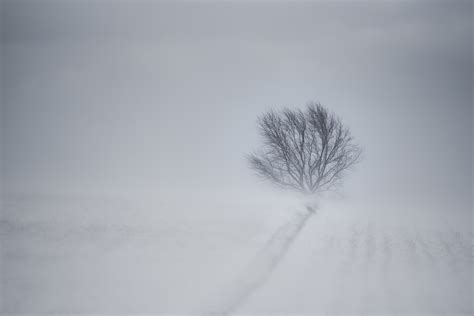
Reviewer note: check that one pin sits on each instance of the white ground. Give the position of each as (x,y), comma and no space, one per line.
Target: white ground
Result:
(70,254)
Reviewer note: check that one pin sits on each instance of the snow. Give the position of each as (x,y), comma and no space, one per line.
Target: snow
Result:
(200,255)
(369,268)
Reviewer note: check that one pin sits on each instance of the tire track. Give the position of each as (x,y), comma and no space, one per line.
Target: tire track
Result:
(261,267)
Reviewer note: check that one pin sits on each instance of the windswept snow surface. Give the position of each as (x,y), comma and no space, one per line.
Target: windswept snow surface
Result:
(102,254)
(195,255)
(365,267)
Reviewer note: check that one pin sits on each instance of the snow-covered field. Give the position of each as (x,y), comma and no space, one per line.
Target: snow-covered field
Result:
(73,254)
(370,268)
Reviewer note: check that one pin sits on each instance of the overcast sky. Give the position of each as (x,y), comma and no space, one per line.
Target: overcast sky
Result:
(131,95)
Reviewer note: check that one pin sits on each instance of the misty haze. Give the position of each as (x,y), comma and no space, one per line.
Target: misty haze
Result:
(236,158)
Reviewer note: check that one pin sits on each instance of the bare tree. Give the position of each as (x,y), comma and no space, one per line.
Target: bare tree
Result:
(308,151)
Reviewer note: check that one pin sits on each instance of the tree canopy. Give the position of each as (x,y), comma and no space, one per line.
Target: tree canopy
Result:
(308,150)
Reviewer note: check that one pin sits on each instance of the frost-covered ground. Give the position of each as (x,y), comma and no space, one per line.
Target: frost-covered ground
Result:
(189,255)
